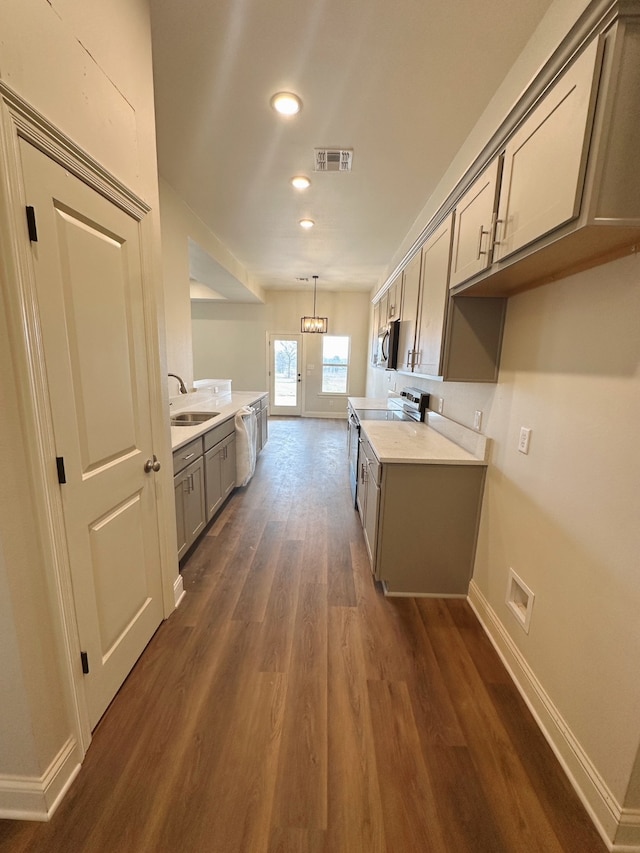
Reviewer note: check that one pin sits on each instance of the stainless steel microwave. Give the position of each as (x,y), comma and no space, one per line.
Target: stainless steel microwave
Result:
(387,354)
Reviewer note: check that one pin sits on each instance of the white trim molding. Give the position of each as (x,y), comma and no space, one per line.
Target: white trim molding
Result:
(618,827)
(178,591)
(37,798)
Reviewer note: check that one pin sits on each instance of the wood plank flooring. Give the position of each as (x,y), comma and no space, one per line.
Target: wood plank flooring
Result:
(288,707)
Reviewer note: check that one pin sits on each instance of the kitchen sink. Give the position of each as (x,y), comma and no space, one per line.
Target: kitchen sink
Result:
(191,418)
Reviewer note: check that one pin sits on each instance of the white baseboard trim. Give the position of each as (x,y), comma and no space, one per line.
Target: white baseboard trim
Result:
(178,590)
(619,828)
(628,835)
(37,798)
(339,414)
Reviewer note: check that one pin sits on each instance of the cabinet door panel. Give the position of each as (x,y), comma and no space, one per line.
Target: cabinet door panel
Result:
(370,529)
(228,469)
(545,160)
(473,227)
(433,304)
(375,322)
(180,485)
(195,517)
(394,302)
(213,478)
(409,316)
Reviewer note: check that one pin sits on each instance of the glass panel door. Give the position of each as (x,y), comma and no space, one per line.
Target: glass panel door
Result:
(285,373)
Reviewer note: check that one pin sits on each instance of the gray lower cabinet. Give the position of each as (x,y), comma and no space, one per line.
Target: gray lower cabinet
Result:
(220,473)
(420,523)
(189,495)
(204,475)
(368,495)
(261,407)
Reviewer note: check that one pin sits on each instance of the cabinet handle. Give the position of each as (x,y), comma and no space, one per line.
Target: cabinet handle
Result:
(496,222)
(191,486)
(480,236)
(362,472)
(188,456)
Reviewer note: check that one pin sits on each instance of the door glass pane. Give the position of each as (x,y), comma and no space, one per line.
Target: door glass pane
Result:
(285,354)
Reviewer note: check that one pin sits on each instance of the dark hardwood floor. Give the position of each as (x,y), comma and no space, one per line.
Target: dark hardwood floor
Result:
(288,706)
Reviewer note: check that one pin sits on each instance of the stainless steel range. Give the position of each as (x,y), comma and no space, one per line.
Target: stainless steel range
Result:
(410,404)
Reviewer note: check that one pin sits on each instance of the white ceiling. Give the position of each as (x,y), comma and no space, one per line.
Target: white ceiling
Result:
(401,82)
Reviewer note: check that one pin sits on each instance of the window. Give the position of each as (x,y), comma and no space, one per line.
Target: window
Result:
(335,364)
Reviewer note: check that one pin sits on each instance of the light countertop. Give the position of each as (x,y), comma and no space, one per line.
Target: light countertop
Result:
(199,402)
(369,403)
(418,443)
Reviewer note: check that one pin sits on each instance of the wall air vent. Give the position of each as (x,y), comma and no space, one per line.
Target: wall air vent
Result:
(333,159)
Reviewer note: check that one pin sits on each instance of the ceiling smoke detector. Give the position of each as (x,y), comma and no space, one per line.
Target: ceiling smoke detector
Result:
(332,159)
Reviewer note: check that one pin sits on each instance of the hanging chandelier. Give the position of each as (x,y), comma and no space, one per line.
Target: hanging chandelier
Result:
(314,324)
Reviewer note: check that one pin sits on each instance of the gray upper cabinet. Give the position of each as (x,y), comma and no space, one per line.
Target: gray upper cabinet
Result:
(545,160)
(409,315)
(456,338)
(375,325)
(569,189)
(394,299)
(475,224)
(558,191)
(433,303)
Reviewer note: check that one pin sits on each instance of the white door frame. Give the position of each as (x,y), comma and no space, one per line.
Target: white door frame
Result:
(299,410)
(19,120)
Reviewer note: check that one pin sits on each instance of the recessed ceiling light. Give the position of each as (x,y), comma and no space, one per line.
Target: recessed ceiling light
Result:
(300,182)
(307,223)
(286,103)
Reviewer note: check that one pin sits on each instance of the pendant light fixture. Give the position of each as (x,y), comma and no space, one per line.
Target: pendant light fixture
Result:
(314,324)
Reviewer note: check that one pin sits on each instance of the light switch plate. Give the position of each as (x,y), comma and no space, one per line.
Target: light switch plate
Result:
(477,420)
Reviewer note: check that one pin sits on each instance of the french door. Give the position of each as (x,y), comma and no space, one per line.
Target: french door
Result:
(285,374)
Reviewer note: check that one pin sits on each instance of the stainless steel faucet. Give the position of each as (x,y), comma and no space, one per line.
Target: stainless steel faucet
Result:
(183,387)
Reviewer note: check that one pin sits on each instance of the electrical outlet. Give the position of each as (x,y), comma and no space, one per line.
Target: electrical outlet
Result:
(477,420)
(523,442)
(440,405)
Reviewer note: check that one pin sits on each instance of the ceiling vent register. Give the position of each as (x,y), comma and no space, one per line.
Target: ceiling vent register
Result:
(333,159)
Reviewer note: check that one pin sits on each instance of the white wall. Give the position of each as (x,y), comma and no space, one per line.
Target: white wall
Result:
(565,516)
(230,341)
(179,224)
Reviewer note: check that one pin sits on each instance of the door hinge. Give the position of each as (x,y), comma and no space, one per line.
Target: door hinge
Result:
(84,658)
(62,477)
(31,224)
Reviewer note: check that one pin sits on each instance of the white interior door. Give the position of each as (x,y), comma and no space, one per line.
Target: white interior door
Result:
(285,374)
(90,299)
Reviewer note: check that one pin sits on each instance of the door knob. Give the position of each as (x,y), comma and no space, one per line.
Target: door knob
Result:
(151,465)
